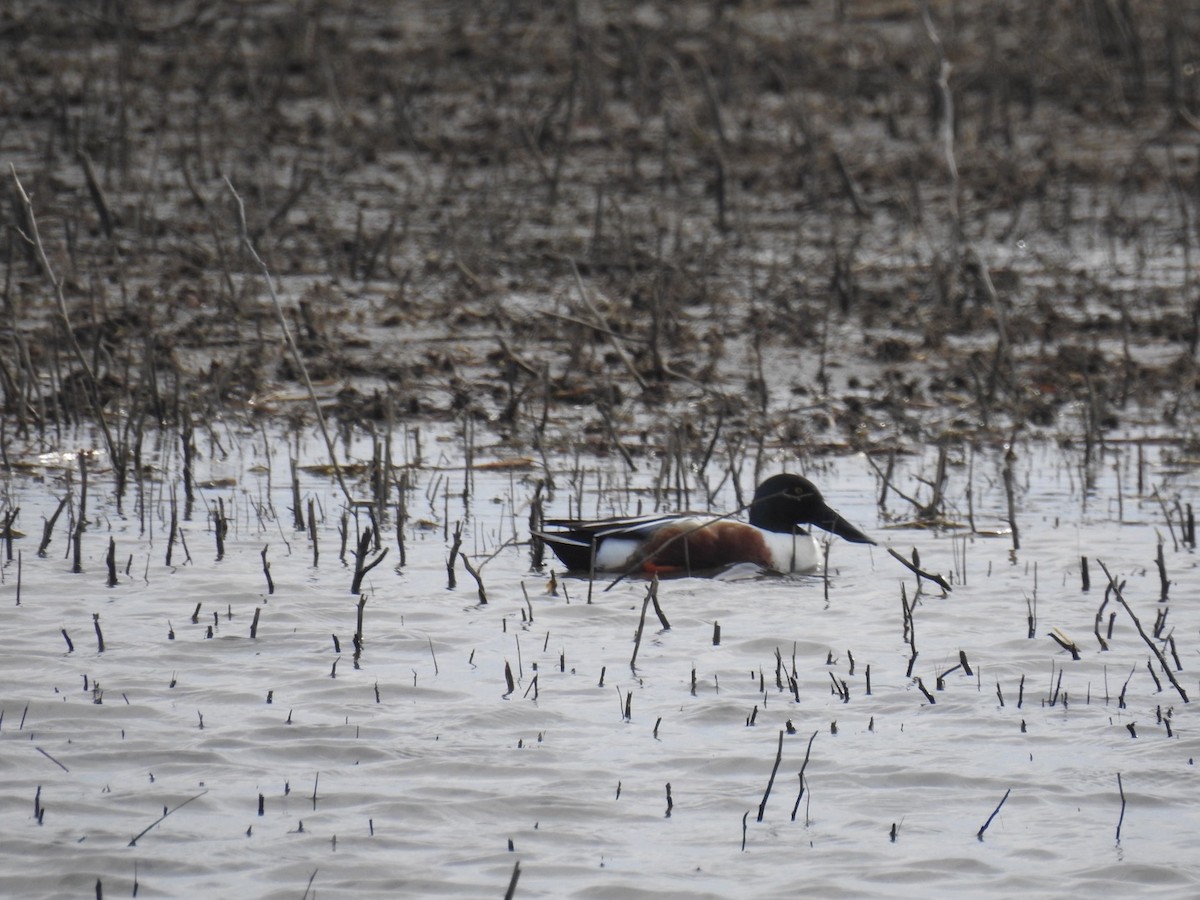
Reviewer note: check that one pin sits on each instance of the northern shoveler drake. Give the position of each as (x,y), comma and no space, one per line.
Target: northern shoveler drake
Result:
(696,542)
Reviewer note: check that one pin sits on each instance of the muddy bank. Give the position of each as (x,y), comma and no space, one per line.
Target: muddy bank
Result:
(817,224)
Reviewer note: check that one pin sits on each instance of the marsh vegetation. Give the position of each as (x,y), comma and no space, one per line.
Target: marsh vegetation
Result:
(312,312)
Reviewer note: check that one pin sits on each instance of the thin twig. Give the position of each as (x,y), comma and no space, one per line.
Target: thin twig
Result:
(290,341)
(921,573)
(1145,637)
(133,843)
(35,238)
(979,834)
(762,807)
(52,759)
(616,344)
(1121,817)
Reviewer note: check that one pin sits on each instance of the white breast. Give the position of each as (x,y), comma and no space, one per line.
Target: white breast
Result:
(793,552)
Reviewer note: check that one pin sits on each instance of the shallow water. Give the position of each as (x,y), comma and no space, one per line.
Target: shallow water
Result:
(425,768)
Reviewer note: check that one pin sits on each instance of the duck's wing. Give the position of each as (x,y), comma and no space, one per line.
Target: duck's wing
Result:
(576,540)
(587,530)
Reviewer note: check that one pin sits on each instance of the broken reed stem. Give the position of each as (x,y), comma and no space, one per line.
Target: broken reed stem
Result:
(361,567)
(662,619)
(637,638)
(1058,686)
(613,436)
(81,520)
(984,828)
(1162,574)
(402,517)
(508,679)
(312,531)
(53,760)
(1167,518)
(920,573)
(174,530)
(1121,696)
(1160,622)
(598,323)
(762,807)
(358,630)
(803,766)
(1121,817)
(1010,457)
(99,633)
(48,528)
(1068,645)
(96,192)
(840,688)
(910,628)
(924,690)
(1145,637)
(512,881)
(297,509)
(220,527)
(254,623)
(451,579)
(187,451)
(529,607)
(533,686)
(116,452)
(267,570)
(77,548)
(142,833)
(6,531)
(297,359)
(537,518)
(826,546)
(110,560)
(478,578)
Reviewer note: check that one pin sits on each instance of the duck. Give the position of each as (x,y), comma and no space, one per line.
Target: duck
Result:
(775,538)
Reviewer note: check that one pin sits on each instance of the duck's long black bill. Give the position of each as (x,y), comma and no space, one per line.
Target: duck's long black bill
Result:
(835,524)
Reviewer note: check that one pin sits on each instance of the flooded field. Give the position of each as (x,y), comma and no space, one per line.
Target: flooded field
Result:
(288,761)
(311,312)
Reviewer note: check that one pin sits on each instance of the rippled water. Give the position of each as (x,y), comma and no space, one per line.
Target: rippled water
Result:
(416,773)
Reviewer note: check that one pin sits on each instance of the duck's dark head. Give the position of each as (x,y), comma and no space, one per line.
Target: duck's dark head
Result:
(784,501)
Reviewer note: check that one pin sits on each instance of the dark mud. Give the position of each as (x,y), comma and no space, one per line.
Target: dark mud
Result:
(652,228)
